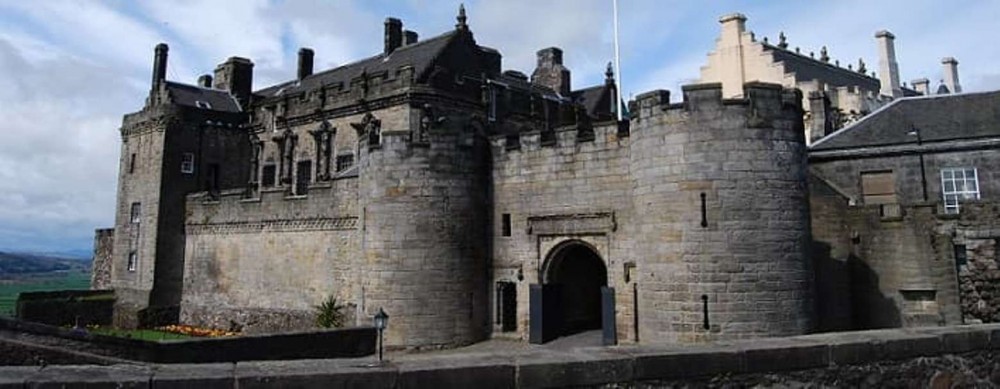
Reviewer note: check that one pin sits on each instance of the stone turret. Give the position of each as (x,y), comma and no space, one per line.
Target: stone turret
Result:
(722,215)
(423,230)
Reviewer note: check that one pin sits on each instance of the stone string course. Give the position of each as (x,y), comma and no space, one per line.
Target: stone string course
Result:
(961,355)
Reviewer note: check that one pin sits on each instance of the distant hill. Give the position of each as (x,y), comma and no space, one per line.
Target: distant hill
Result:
(28,263)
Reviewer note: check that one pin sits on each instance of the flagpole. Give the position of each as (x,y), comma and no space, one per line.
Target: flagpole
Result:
(618,64)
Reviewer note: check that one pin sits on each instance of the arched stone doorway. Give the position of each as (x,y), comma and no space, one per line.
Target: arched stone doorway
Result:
(578,272)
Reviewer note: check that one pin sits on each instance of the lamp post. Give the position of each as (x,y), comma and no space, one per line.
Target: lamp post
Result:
(381,321)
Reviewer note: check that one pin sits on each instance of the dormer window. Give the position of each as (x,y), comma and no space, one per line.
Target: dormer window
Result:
(203,104)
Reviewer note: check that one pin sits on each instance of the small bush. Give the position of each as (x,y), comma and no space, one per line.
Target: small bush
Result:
(329,314)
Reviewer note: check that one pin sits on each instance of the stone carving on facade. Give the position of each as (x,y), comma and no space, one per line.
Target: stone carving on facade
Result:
(256,150)
(370,127)
(430,119)
(286,141)
(323,138)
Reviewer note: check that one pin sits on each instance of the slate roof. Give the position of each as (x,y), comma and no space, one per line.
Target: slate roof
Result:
(937,117)
(191,95)
(806,68)
(420,55)
(595,99)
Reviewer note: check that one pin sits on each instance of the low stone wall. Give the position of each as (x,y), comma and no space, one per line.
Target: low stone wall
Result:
(62,308)
(963,356)
(340,343)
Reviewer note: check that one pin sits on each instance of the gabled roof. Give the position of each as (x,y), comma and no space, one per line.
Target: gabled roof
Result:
(595,99)
(420,55)
(937,118)
(806,68)
(202,98)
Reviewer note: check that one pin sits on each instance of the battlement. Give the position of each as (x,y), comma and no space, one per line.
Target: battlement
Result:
(763,99)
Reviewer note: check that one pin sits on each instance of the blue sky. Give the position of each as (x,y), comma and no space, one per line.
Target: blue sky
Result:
(70,69)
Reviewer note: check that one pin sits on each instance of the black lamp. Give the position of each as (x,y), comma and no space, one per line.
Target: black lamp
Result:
(381,321)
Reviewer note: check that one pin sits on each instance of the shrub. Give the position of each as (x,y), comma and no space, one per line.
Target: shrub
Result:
(329,314)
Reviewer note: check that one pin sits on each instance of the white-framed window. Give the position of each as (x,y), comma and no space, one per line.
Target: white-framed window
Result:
(135,213)
(133,259)
(187,163)
(958,184)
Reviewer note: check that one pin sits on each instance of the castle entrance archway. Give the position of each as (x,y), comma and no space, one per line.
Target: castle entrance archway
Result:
(578,273)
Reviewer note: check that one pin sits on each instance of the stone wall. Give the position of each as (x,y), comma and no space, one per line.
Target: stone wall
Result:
(262,264)
(722,217)
(963,356)
(549,191)
(978,231)
(100,265)
(424,223)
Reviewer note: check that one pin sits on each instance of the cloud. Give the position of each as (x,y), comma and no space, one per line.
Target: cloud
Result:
(71,68)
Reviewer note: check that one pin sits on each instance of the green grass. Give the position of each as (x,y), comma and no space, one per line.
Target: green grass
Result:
(137,334)
(56,281)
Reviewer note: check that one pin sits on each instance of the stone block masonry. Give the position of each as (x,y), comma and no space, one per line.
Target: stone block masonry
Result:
(950,356)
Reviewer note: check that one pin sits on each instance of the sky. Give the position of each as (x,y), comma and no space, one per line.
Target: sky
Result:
(70,69)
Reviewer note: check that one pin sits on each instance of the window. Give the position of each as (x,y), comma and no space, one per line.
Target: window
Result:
(203,104)
(135,213)
(491,115)
(303,176)
(506,224)
(345,162)
(131,164)
(133,258)
(958,184)
(878,187)
(187,163)
(961,256)
(267,180)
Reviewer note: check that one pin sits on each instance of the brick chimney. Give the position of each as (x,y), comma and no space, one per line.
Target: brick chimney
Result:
(922,85)
(888,68)
(393,34)
(550,71)
(951,74)
(236,76)
(305,68)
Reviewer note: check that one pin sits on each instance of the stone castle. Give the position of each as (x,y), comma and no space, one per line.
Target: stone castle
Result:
(466,201)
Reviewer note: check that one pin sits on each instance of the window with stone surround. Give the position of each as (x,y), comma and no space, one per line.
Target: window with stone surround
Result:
(135,213)
(131,164)
(505,227)
(133,259)
(267,175)
(958,184)
(344,162)
(187,163)
(878,187)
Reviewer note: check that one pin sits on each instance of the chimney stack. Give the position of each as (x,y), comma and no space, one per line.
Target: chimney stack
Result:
(922,85)
(888,68)
(730,49)
(409,37)
(305,68)
(550,71)
(159,64)
(393,34)
(236,76)
(205,81)
(951,74)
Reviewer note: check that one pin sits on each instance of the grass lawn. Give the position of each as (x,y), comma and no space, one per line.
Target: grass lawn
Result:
(57,281)
(137,334)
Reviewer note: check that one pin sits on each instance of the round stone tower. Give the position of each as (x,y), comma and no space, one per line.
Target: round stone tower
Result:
(722,223)
(424,208)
